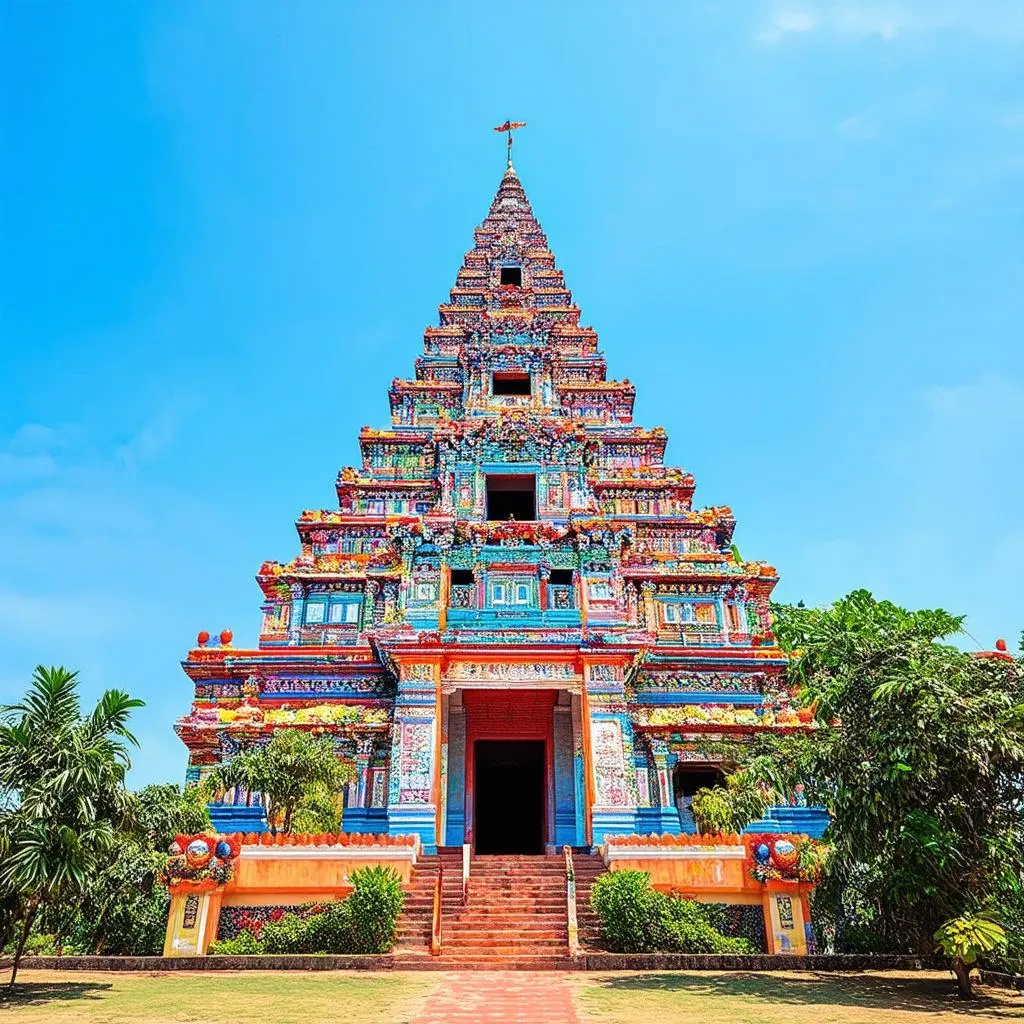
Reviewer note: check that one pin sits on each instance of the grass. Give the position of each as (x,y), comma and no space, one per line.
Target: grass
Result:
(293,997)
(786,998)
(287,997)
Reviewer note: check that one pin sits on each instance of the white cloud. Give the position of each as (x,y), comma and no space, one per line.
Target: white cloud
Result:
(994,21)
(785,23)
(25,467)
(156,436)
(869,21)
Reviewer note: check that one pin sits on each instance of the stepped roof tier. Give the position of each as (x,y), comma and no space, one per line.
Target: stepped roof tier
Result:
(512,530)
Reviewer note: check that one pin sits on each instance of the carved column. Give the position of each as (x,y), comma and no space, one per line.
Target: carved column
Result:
(297,613)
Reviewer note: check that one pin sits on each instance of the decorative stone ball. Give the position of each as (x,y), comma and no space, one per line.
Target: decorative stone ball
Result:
(1000,644)
(203,638)
(226,636)
(785,854)
(198,851)
(762,853)
(223,849)
(175,849)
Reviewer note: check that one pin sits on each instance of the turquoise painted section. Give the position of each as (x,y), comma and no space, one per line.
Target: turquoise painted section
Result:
(613,823)
(579,792)
(414,819)
(530,618)
(695,697)
(237,818)
(565,788)
(657,821)
(810,821)
(455,820)
(365,820)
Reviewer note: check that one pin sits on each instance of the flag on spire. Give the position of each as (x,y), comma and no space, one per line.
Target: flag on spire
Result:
(510,127)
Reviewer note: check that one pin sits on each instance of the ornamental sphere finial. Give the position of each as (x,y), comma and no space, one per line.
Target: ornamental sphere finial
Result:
(1000,644)
(203,639)
(226,636)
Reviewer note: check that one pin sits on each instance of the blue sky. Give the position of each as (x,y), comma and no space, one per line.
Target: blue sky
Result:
(797,228)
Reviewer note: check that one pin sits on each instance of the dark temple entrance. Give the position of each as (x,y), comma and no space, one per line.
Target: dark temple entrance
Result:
(509,796)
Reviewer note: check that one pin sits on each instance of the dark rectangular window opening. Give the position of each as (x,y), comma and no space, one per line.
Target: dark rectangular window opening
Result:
(511,497)
(462,578)
(512,275)
(561,578)
(511,384)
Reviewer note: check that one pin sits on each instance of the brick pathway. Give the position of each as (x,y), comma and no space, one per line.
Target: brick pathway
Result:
(500,997)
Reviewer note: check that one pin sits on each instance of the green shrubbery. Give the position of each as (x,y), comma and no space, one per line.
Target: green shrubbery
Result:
(638,919)
(363,923)
(375,905)
(244,944)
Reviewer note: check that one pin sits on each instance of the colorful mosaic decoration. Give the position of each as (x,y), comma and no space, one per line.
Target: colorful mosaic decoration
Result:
(512,530)
(201,861)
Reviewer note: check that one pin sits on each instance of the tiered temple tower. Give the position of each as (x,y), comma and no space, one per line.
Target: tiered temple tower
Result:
(515,623)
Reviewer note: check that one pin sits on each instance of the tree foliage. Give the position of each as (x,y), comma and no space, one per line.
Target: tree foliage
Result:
(299,775)
(963,939)
(920,762)
(124,910)
(62,795)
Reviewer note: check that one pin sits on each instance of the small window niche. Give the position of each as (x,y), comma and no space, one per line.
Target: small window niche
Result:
(561,578)
(463,589)
(512,275)
(511,384)
(511,497)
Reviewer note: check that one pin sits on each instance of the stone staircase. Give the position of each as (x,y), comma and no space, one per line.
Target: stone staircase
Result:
(414,922)
(514,917)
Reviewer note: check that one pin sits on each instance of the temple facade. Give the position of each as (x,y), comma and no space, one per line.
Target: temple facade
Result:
(514,622)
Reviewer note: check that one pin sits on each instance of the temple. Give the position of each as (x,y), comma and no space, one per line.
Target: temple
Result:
(514,622)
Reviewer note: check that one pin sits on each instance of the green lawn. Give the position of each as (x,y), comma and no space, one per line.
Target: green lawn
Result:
(293,997)
(287,997)
(888,997)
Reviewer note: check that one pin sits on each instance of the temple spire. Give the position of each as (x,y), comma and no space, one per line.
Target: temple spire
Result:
(509,127)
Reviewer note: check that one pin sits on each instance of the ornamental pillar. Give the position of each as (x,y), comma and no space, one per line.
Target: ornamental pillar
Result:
(610,731)
(663,780)
(297,613)
(544,572)
(364,751)
(647,590)
(414,777)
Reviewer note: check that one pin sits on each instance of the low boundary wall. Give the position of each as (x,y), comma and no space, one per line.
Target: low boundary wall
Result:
(584,962)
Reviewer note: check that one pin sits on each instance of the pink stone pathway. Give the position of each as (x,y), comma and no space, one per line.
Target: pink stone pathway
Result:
(500,997)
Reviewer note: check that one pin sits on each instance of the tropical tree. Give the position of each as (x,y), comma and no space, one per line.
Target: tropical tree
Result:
(964,939)
(920,760)
(124,910)
(62,794)
(299,775)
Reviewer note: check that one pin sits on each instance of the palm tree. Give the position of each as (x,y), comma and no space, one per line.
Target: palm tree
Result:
(62,793)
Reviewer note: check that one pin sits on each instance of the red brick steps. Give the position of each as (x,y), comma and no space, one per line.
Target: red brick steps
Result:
(514,917)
